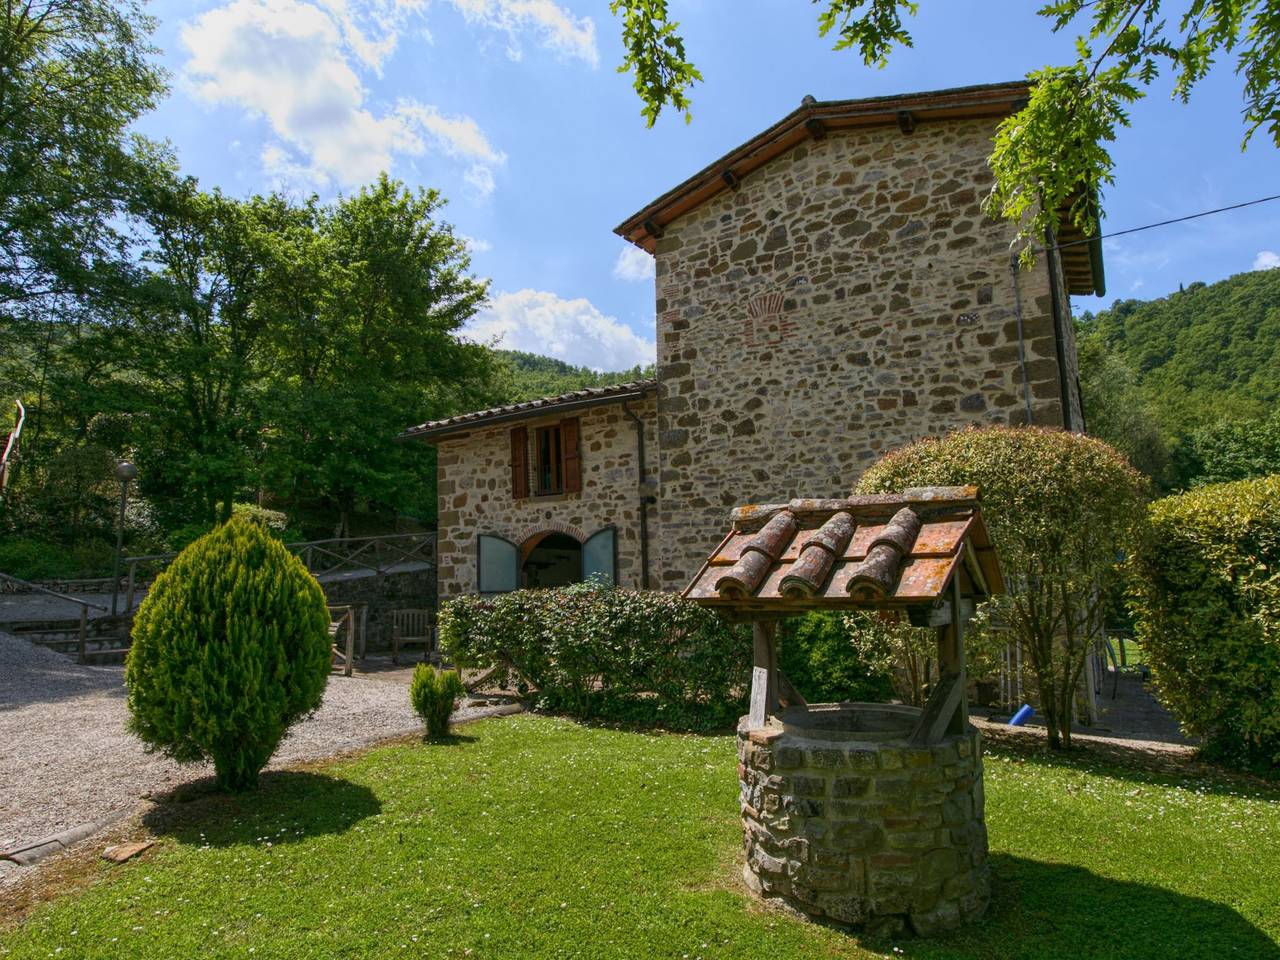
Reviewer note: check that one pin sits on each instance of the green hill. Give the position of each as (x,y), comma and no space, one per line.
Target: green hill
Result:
(1181,366)
(532,376)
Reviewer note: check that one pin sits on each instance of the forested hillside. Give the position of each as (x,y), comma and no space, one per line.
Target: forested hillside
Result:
(533,376)
(1182,381)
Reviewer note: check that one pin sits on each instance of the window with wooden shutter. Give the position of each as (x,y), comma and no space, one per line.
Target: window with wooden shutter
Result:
(519,462)
(572,461)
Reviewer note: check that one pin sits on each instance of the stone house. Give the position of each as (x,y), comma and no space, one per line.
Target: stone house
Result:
(825,292)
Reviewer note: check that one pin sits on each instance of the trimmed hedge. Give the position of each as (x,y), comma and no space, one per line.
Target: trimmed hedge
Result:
(230,647)
(597,651)
(1205,591)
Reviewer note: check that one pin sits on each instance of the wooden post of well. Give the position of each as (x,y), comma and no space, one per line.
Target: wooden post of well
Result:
(951,657)
(764,673)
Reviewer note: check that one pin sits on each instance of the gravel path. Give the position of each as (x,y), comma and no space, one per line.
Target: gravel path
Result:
(66,758)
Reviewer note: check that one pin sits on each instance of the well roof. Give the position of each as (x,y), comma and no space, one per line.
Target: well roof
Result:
(876,551)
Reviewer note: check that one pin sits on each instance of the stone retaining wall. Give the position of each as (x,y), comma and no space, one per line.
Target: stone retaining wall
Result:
(871,834)
(384,593)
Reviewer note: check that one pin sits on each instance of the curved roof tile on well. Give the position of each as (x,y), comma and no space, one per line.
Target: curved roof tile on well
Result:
(575,399)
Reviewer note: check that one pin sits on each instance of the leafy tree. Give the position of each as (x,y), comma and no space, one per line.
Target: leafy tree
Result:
(1236,450)
(230,648)
(530,376)
(1116,411)
(1052,152)
(1061,508)
(74,74)
(373,299)
(198,335)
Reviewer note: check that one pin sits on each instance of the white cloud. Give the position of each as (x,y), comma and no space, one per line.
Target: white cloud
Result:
(1266,260)
(571,330)
(480,179)
(633,264)
(558,28)
(293,63)
(372,28)
(475,244)
(461,136)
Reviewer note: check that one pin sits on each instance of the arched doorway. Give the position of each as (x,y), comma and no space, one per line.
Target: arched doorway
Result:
(551,560)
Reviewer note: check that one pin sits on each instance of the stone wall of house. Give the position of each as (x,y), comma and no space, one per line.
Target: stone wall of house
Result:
(847,297)
(474,486)
(1075,405)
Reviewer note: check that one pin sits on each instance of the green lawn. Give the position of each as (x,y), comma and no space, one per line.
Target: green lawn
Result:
(536,837)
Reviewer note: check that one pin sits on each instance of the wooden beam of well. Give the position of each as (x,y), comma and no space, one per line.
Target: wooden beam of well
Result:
(764,673)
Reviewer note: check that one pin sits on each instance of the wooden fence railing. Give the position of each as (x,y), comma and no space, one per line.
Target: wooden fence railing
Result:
(84,607)
(324,558)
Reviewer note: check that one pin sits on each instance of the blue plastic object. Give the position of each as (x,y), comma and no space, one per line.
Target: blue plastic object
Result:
(1025,713)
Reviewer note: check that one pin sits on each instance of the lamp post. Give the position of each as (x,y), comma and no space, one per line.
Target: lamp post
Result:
(125,471)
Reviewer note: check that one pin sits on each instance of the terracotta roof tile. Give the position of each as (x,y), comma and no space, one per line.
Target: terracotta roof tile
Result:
(576,399)
(882,550)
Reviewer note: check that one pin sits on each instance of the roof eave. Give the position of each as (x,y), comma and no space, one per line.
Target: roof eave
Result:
(432,434)
(992,100)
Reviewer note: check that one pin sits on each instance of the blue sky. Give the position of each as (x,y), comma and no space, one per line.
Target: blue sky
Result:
(514,111)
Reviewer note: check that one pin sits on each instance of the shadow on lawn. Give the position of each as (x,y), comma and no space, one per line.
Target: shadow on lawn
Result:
(1048,911)
(288,806)
(1129,763)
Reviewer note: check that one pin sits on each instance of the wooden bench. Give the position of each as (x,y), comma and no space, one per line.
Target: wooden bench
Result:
(411,628)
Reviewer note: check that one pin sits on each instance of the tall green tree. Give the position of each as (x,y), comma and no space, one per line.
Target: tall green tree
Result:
(74,74)
(198,334)
(1052,154)
(1116,411)
(373,301)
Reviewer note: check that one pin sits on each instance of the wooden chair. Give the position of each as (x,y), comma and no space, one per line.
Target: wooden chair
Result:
(413,628)
(342,620)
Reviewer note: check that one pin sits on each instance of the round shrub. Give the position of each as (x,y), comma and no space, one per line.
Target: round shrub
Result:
(1205,591)
(1062,509)
(230,647)
(432,693)
(818,655)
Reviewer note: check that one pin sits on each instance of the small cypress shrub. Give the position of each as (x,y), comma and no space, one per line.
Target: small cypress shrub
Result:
(230,647)
(432,693)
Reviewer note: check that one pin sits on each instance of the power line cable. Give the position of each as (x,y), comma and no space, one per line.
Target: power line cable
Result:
(1165,223)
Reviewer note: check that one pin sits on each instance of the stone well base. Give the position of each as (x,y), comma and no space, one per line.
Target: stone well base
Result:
(848,823)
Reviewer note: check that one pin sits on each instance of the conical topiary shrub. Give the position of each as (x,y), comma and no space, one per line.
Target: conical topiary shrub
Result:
(230,647)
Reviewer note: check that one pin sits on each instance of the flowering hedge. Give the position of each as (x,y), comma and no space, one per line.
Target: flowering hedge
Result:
(597,651)
(1205,590)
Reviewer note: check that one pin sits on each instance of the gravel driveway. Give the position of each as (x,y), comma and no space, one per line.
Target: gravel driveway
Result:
(66,758)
